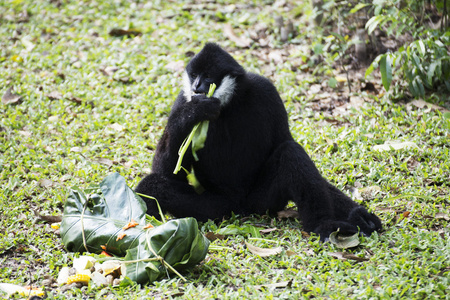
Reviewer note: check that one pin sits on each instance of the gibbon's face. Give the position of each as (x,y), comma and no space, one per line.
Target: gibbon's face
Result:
(211,65)
(195,84)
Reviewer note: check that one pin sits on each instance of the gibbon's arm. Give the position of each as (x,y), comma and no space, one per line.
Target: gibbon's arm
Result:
(182,118)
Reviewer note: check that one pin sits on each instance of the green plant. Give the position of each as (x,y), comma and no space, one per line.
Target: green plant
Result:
(423,64)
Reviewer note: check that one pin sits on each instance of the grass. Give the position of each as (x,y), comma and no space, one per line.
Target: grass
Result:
(115,96)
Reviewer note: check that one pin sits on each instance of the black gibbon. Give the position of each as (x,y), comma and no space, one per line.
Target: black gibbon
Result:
(250,164)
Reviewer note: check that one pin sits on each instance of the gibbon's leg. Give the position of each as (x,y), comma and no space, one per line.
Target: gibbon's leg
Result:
(180,199)
(290,174)
(346,209)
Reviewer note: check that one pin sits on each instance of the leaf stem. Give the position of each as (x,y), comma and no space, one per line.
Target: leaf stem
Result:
(157,204)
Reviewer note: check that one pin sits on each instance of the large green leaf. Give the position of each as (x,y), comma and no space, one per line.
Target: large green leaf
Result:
(94,220)
(178,242)
(112,205)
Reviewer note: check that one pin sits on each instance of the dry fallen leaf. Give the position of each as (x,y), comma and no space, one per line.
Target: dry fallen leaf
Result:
(75,149)
(289,213)
(109,71)
(278,285)
(263,252)
(344,256)
(421,104)
(276,57)
(175,66)
(76,100)
(117,127)
(48,219)
(10,98)
(388,146)
(305,234)
(105,161)
(45,183)
(442,216)
(290,253)
(369,193)
(268,230)
(25,133)
(124,32)
(344,241)
(214,236)
(55,95)
(241,41)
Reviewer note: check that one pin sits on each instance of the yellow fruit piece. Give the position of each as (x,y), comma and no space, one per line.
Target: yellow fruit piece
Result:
(56,226)
(17,58)
(82,278)
(341,79)
(11,289)
(110,266)
(29,291)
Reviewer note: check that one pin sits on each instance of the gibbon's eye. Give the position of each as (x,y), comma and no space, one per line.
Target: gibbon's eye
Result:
(194,75)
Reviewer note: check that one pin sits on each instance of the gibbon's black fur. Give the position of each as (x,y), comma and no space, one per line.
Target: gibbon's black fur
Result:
(250,163)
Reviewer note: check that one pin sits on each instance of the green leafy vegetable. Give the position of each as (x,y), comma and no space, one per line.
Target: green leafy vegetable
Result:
(91,221)
(197,137)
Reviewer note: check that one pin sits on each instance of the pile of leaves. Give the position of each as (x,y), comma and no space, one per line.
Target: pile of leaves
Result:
(111,218)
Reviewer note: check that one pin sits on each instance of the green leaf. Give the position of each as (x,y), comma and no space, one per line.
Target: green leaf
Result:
(192,180)
(242,230)
(370,69)
(178,242)
(358,7)
(197,137)
(98,219)
(372,24)
(431,70)
(386,71)
(439,43)
(421,47)
(198,141)
(416,61)
(421,87)
(417,87)
(183,148)
(332,82)
(112,206)
(373,66)
(318,48)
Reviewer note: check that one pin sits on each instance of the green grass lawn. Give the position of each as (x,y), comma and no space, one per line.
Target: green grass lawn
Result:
(92,103)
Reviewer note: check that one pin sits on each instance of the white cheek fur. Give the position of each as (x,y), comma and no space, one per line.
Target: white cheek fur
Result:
(224,93)
(187,87)
(226,90)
